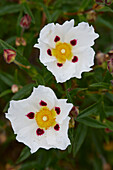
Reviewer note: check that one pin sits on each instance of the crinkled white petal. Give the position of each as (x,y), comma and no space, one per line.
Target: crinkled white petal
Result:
(59,139)
(85,61)
(50,31)
(61,73)
(44,57)
(83,33)
(65,108)
(45,94)
(29,137)
(17,114)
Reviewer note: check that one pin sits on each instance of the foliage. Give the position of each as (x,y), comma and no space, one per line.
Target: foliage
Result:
(92,136)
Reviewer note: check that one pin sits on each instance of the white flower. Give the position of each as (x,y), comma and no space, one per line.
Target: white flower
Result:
(41,120)
(65,49)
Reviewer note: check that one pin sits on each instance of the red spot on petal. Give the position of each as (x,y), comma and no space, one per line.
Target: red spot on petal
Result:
(75,59)
(42,103)
(73,42)
(49,52)
(57,127)
(39,132)
(57,109)
(57,38)
(59,64)
(30,115)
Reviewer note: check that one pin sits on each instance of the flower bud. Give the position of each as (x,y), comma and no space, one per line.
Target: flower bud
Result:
(14,88)
(20,41)
(107,130)
(91,16)
(110,65)
(9,55)
(25,21)
(100,58)
(74,112)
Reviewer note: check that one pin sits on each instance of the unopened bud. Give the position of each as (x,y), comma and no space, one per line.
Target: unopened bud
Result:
(20,41)
(14,88)
(25,21)
(106,166)
(91,16)
(74,111)
(9,55)
(100,58)
(107,130)
(110,66)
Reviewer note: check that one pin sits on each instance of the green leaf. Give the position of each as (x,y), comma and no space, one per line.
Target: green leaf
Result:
(105,22)
(24,155)
(109,124)
(105,9)
(45,9)
(88,121)
(80,135)
(10,9)
(24,92)
(5,92)
(28,11)
(88,111)
(6,78)
(100,85)
(108,110)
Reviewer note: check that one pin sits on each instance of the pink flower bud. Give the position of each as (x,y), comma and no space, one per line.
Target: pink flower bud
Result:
(74,111)
(14,88)
(110,65)
(9,55)
(107,130)
(25,21)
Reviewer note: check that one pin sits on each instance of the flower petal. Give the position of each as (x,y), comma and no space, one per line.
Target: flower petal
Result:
(85,61)
(61,73)
(64,109)
(17,114)
(84,34)
(29,137)
(45,94)
(59,139)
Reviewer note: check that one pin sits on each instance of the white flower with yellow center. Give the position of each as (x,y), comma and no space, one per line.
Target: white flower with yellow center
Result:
(66,50)
(41,120)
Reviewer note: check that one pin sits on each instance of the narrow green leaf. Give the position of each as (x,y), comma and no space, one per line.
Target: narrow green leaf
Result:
(24,155)
(105,9)
(88,121)
(10,9)
(80,135)
(108,110)
(100,85)
(109,124)
(25,91)
(4,93)
(105,22)
(28,11)
(45,9)
(88,111)
(6,78)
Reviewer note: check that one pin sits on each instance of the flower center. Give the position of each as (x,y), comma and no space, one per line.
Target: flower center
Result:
(62,51)
(45,118)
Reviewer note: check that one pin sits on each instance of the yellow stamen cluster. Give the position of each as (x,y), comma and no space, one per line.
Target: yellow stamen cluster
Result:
(62,51)
(45,118)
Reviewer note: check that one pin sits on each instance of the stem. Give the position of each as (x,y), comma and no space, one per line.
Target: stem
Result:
(19,64)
